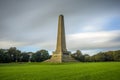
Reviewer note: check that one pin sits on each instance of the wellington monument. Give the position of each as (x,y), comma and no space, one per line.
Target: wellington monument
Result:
(61,54)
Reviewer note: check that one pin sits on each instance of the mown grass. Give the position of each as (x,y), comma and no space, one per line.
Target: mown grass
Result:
(60,71)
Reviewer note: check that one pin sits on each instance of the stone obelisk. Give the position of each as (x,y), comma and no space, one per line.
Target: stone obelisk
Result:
(61,54)
(61,42)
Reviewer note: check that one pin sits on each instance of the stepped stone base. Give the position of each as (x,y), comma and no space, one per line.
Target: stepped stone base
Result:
(68,58)
(59,58)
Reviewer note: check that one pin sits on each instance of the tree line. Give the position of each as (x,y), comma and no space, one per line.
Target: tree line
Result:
(99,57)
(14,55)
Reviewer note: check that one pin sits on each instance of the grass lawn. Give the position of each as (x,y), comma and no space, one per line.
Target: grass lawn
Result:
(63,71)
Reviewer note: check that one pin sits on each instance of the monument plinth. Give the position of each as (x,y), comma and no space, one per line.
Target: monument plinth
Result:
(61,54)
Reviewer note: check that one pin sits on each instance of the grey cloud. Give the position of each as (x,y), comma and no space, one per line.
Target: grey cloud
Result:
(35,21)
(94,40)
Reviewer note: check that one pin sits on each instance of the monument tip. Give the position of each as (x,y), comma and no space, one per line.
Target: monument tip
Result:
(61,15)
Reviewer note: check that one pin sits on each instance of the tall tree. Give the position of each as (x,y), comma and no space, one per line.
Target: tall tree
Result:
(116,55)
(24,57)
(78,55)
(87,58)
(100,57)
(40,55)
(4,57)
(14,54)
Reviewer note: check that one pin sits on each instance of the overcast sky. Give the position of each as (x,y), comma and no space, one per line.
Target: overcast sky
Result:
(90,25)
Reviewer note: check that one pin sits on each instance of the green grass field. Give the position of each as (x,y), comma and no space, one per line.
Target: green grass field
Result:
(63,71)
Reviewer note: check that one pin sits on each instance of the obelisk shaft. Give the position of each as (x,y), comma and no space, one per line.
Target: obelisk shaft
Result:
(61,42)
